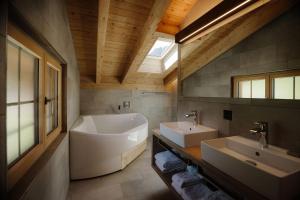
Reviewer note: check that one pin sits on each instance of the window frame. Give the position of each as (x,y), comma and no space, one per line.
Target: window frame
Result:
(237,79)
(16,171)
(269,77)
(51,62)
(20,47)
(290,73)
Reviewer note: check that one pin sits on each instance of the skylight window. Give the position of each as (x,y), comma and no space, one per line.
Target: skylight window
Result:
(160,48)
(171,60)
(161,56)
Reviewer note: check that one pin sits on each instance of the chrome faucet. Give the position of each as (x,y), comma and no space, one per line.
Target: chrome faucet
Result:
(261,129)
(194,114)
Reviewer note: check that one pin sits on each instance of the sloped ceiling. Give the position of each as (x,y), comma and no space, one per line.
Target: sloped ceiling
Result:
(130,29)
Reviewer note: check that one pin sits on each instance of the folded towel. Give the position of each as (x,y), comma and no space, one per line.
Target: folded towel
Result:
(177,187)
(196,192)
(179,166)
(166,157)
(219,195)
(184,179)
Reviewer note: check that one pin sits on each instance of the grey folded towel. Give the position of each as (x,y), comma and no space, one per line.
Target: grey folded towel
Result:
(177,187)
(179,166)
(184,179)
(219,195)
(168,160)
(166,156)
(196,192)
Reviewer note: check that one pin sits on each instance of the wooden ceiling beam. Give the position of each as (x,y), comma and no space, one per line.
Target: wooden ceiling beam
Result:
(138,54)
(185,36)
(198,10)
(187,52)
(247,26)
(171,77)
(103,11)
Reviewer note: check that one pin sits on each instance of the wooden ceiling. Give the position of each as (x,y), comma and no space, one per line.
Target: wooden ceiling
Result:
(112,38)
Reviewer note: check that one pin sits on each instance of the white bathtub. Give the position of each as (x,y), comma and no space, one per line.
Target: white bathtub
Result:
(102,144)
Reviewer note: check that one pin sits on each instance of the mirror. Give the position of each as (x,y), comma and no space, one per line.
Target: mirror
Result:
(258,67)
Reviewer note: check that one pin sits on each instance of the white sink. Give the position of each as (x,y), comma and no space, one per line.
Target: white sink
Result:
(271,171)
(185,134)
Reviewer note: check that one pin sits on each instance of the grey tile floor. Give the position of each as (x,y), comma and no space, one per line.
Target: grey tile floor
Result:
(137,181)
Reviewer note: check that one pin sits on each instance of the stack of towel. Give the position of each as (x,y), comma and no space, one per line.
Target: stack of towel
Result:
(191,186)
(196,192)
(202,192)
(184,179)
(168,162)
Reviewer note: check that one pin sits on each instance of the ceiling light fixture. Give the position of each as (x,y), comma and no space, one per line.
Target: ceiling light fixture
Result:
(213,21)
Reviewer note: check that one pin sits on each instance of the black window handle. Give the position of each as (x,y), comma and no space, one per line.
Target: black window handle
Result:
(47,100)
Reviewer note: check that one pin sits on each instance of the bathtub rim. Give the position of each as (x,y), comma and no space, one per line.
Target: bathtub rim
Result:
(77,123)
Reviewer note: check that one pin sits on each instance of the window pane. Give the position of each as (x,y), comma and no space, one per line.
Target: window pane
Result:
(27,130)
(258,88)
(283,88)
(12,73)
(297,87)
(160,47)
(12,133)
(52,105)
(244,89)
(171,60)
(27,77)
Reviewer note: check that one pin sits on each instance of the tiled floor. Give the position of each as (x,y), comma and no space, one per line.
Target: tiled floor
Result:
(137,181)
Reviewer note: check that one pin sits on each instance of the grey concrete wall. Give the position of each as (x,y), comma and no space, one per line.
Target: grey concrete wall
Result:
(52,181)
(283,121)
(50,18)
(274,47)
(156,106)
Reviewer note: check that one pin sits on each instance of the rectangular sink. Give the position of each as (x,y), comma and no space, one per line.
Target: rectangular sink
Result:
(271,171)
(185,134)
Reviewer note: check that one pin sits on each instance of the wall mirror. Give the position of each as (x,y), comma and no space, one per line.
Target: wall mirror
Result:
(217,61)
(256,68)
(241,74)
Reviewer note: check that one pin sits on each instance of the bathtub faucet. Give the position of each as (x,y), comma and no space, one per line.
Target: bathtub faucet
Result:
(126,104)
(195,114)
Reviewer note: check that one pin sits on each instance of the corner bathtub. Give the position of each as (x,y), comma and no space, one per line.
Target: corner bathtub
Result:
(102,144)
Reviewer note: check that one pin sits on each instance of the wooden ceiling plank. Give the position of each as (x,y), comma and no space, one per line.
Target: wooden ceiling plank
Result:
(249,24)
(103,11)
(199,9)
(157,11)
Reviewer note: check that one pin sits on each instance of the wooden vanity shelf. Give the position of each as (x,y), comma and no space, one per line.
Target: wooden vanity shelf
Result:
(214,178)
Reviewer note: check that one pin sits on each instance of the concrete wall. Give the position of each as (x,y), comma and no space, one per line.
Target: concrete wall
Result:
(157,107)
(274,47)
(50,18)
